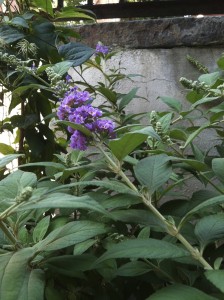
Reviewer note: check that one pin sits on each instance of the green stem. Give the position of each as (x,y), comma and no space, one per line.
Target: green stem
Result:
(9,234)
(170,228)
(9,210)
(212,184)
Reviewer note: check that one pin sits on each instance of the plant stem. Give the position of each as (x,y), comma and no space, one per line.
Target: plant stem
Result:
(211,183)
(170,228)
(9,234)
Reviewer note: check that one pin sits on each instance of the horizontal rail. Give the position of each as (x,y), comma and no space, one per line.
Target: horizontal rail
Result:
(155,9)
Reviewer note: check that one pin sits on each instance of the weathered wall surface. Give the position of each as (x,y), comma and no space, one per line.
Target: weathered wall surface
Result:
(157,50)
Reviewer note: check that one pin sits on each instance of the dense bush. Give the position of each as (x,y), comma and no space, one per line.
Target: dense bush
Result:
(112,221)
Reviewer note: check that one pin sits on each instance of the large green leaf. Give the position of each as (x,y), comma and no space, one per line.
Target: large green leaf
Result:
(60,200)
(218,168)
(13,184)
(75,52)
(179,291)
(17,280)
(128,142)
(71,234)
(44,36)
(8,158)
(143,248)
(209,229)
(36,284)
(10,34)
(216,277)
(153,171)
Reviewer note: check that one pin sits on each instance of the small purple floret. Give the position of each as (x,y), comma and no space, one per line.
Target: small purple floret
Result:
(102,49)
(78,141)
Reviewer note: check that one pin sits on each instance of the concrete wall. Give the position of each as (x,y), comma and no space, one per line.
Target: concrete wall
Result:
(157,50)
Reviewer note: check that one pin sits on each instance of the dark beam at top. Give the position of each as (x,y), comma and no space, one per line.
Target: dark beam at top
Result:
(162,8)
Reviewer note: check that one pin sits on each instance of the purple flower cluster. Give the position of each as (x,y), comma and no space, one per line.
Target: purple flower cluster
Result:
(76,108)
(100,48)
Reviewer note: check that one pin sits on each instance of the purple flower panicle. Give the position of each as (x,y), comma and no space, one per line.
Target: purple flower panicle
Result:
(76,108)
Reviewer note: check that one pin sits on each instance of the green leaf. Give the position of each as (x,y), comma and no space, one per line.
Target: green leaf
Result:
(130,141)
(24,121)
(193,135)
(204,100)
(121,200)
(20,22)
(126,99)
(57,166)
(195,164)
(218,168)
(36,285)
(173,103)
(210,229)
(204,205)
(179,291)
(153,171)
(41,229)
(44,5)
(62,67)
(61,200)
(70,265)
(79,127)
(220,62)
(83,246)
(110,185)
(216,277)
(43,34)
(14,275)
(140,248)
(10,34)
(21,89)
(8,158)
(71,234)
(108,94)
(210,78)
(6,149)
(133,268)
(13,184)
(74,13)
(137,216)
(75,52)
